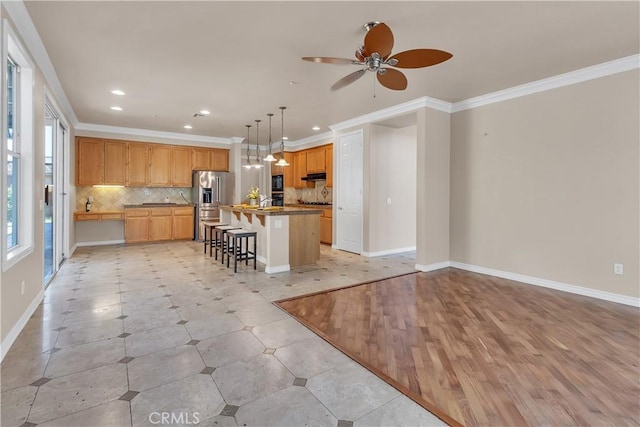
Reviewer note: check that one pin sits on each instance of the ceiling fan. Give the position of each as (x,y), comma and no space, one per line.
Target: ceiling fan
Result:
(375,55)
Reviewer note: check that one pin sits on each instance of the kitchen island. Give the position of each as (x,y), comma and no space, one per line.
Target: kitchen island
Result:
(287,236)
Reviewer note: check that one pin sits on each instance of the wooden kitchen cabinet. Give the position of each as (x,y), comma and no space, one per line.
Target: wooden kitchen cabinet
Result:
(89,161)
(220,160)
(329,163)
(326,226)
(137,164)
(159,165)
(136,225)
(201,159)
(316,160)
(299,169)
(182,223)
(115,163)
(180,166)
(160,223)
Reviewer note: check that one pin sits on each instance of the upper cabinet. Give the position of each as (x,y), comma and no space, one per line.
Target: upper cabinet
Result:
(141,164)
(201,159)
(137,164)
(100,162)
(159,165)
(299,169)
(180,166)
(89,161)
(316,160)
(115,163)
(220,160)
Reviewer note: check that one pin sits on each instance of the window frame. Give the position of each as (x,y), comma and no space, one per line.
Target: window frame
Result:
(23,146)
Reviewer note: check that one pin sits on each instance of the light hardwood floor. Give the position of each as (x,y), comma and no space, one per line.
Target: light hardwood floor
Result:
(485,351)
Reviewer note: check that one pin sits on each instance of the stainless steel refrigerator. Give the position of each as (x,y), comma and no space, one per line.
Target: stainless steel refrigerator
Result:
(210,190)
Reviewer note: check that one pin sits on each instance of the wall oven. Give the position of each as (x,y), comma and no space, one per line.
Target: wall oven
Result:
(277,183)
(277,199)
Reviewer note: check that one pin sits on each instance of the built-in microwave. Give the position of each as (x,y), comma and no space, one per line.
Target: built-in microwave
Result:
(277,183)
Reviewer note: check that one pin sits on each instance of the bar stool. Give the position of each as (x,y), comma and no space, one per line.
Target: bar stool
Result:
(210,225)
(238,246)
(221,231)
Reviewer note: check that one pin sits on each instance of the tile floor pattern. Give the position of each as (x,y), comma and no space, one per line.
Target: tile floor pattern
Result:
(160,334)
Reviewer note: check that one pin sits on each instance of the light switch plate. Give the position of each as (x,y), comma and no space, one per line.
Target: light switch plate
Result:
(618,268)
(278,223)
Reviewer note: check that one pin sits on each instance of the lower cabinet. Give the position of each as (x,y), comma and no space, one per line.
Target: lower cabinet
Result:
(158,224)
(326,226)
(182,226)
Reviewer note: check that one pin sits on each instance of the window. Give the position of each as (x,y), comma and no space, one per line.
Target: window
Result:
(13,158)
(17,190)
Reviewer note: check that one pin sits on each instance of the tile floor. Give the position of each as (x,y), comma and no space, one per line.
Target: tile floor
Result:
(161,334)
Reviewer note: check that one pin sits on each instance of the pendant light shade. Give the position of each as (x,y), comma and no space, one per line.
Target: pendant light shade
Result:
(258,165)
(248,164)
(282,161)
(270,157)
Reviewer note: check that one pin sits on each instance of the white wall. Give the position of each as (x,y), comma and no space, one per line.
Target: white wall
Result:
(392,169)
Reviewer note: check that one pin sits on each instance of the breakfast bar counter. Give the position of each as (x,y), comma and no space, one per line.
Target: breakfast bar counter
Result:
(287,236)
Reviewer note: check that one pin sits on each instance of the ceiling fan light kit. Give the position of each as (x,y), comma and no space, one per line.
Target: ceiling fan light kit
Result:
(375,55)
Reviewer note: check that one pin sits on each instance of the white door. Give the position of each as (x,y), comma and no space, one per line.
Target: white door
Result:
(349,192)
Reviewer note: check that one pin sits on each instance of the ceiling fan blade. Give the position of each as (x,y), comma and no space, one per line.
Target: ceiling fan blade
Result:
(328,60)
(348,79)
(392,79)
(379,39)
(418,58)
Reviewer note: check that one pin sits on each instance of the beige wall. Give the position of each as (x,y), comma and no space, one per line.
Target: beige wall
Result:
(391,174)
(30,269)
(547,185)
(432,192)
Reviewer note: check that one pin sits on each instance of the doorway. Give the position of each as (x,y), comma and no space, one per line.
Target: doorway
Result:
(55,136)
(350,192)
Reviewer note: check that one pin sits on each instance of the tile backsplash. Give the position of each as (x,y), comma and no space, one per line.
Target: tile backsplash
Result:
(114,199)
(320,193)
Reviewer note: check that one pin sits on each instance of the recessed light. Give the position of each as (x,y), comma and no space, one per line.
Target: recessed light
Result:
(188,127)
(286,138)
(316,128)
(115,108)
(117,92)
(205,112)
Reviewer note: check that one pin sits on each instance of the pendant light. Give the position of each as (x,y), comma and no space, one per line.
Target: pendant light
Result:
(258,165)
(270,157)
(248,164)
(282,161)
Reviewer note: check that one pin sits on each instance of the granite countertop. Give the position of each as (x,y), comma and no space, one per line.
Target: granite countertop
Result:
(274,211)
(159,205)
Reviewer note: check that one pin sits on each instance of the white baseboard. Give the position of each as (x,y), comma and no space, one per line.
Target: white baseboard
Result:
(435,266)
(579,290)
(388,252)
(277,269)
(72,250)
(99,243)
(8,341)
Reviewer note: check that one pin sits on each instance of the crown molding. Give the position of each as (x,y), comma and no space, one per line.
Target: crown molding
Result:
(90,127)
(319,139)
(566,79)
(24,26)
(393,111)
(236,140)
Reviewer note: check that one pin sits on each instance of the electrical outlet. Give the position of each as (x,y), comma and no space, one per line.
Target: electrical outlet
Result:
(618,269)
(146,192)
(181,193)
(22,288)
(278,223)
(388,200)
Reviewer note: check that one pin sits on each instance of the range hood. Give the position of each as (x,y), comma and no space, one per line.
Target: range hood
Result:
(315,177)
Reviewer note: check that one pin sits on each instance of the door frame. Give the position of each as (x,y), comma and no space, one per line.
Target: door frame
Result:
(339,186)
(62,212)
